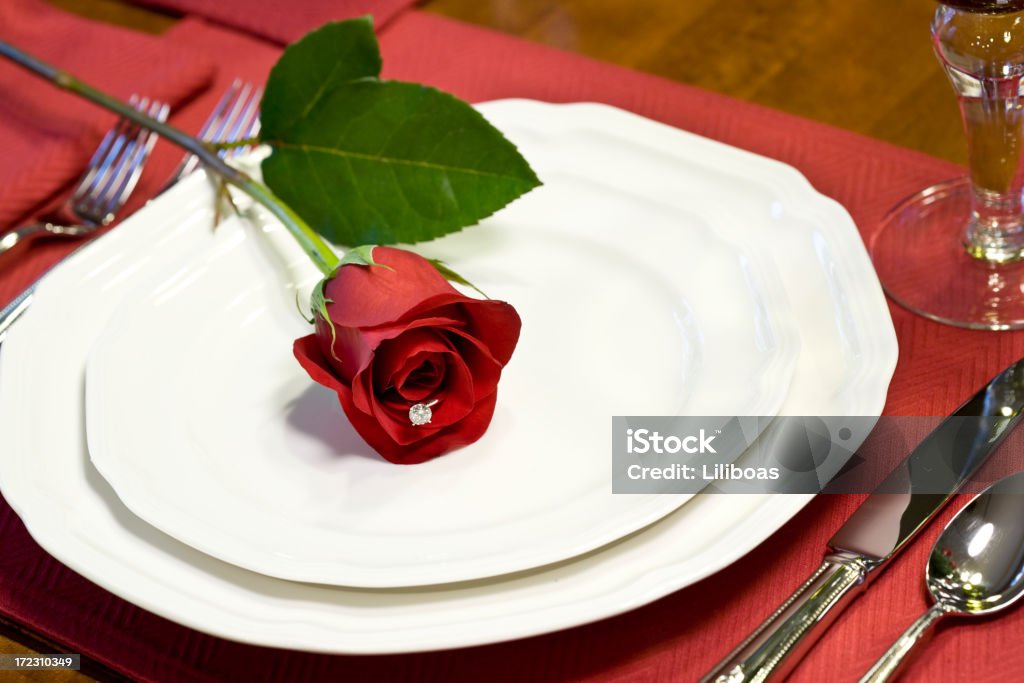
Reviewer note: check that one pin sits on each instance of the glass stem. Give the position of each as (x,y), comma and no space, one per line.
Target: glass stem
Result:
(992,125)
(982,56)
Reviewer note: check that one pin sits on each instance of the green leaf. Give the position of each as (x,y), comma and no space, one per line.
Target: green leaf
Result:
(384,162)
(330,56)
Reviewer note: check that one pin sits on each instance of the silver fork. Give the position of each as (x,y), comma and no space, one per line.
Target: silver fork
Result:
(235,118)
(112,174)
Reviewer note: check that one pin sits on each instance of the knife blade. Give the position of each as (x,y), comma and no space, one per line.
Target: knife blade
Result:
(909,497)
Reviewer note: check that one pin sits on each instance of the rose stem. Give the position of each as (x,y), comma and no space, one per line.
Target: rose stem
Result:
(233,144)
(314,245)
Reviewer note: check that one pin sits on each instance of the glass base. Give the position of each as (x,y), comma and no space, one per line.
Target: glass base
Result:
(921,258)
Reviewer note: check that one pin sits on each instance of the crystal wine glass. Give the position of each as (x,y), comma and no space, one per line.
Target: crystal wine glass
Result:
(954,252)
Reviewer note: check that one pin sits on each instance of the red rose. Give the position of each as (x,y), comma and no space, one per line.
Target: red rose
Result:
(397,335)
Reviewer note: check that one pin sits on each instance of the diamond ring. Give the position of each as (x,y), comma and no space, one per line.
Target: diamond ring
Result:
(421,413)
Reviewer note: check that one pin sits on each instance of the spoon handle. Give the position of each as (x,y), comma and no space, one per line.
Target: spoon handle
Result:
(888,667)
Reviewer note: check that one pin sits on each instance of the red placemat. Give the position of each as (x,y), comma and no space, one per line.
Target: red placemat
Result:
(682,635)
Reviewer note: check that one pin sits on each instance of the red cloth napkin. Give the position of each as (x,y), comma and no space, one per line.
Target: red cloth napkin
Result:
(47,136)
(284,22)
(680,636)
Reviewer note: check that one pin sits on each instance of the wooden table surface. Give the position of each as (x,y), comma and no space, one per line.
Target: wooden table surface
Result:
(866,66)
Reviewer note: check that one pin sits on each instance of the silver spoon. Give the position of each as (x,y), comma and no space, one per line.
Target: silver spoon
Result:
(976,568)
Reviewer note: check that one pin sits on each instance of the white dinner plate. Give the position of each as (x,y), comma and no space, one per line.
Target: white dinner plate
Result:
(848,355)
(207,428)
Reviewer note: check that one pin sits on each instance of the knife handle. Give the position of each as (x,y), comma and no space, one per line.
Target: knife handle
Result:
(777,645)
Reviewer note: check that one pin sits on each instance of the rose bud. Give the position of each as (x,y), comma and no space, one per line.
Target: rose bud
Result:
(414,362)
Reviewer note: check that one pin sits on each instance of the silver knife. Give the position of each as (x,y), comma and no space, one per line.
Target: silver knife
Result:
(879,529)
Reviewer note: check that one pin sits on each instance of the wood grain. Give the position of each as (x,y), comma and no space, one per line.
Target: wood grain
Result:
(144,19)
(866,66)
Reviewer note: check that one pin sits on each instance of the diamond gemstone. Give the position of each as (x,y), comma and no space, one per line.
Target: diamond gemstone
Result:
(420,414)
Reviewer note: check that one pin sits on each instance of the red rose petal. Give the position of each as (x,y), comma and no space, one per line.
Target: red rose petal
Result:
(495,323)
(362,391)
(419,377)
(367,296)
(484,368)
(393,354)
(433,444)
(455,397)
(467,431)
(353,348)
(311,358)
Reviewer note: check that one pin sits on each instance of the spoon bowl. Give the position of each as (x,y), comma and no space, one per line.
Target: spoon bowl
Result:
(977,565)
(975,568)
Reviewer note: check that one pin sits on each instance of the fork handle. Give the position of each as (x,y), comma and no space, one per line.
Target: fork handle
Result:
(16,240)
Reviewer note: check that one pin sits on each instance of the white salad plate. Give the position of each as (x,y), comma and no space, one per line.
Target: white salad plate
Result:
(848,353)
(205,425)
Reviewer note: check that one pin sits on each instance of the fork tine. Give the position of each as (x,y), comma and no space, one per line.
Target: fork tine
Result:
(218,112)
(234,117)
(247,125)
(123,168)
(86,197)
(99,175)
(133,165)
(128,169)
(228,122)
(210,129)
(97,161)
